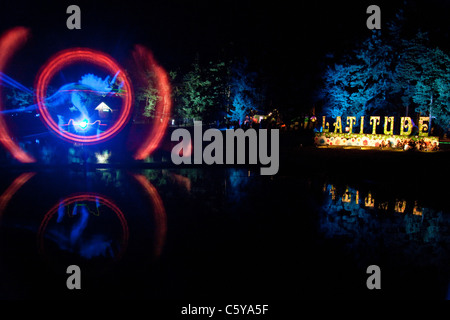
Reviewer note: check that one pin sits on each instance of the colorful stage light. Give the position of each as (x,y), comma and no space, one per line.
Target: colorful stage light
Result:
(83,55)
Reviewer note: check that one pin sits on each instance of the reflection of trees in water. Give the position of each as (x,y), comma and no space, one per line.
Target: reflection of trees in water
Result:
(375,225)
(213,188)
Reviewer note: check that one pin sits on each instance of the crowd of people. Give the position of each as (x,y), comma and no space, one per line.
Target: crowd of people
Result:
(411,144)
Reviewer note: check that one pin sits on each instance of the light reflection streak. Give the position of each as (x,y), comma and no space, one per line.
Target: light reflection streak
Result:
(158,210)
(12,189)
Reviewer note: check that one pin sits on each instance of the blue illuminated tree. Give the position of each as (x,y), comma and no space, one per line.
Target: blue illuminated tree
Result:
(423,75)
(362,81)
(19,98)
(390,74)
(243,91)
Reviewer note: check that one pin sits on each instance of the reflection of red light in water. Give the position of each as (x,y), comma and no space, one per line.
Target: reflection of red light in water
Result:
(68,57)
(10,42)
(85,197)
(159,212)
(12,189)
(157,204)
(145,61)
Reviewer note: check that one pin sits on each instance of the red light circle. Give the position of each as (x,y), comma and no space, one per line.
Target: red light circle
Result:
(97,58)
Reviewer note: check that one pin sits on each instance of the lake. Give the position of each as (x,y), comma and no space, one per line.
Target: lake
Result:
(310,231)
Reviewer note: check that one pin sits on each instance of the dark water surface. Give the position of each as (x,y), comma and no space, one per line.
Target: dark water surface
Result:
(225,233)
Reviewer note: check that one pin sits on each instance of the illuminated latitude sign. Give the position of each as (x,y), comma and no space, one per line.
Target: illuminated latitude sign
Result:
(352,135)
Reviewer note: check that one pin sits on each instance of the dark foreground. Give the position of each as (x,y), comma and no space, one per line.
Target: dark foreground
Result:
(225,233)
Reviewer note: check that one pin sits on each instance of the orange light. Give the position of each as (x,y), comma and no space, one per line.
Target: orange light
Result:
(144,58)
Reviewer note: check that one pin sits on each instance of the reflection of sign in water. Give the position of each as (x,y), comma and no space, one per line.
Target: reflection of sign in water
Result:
(395,220)
(369,200)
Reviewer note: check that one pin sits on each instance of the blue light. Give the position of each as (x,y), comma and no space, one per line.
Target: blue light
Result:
(83,123)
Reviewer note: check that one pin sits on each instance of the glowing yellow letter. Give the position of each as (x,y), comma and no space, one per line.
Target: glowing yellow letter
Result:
(338,125)
(391,120)
(423,127)
(403,125)
(374,123)
(361,130)
(351,121)
(325,125)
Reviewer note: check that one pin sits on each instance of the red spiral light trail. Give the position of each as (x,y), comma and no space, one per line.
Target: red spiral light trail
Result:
(10,42)
(68,57)
(144,58)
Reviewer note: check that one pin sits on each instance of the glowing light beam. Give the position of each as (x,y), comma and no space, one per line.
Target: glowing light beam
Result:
(4,79)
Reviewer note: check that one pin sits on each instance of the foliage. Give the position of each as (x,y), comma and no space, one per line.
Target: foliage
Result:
(362,81)
(19,98)
(424,75)
(215,91)
(147,96)
(242,91)
(200,92)
(193,94)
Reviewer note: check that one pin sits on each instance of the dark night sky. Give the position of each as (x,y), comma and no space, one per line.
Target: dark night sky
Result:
(288,40)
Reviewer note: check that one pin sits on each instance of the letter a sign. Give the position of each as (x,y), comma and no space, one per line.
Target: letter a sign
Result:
(373,281)
(74,280)
(374,21)
(74,21)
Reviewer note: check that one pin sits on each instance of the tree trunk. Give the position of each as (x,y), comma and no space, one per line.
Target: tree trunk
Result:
(429,114)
